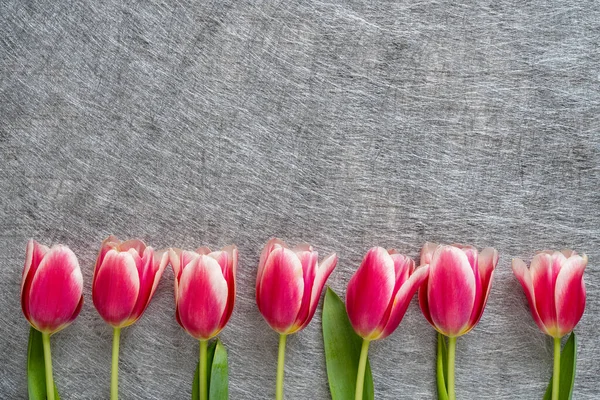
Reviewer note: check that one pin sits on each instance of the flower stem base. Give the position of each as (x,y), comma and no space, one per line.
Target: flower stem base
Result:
(203,381)
(48,366)
(362,366)
(451,358)
(114,375)
(556,373)
(280,368)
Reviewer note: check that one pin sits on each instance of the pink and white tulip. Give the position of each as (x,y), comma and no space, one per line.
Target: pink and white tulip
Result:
(204,289)
(51,287)
(555,289)
(455,294)
(380,291)
(125,279)
(289,284)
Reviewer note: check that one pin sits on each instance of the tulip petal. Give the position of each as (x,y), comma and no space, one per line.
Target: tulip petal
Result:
(570,294)
(522,273)
(202,297)
(451,290)
(33,256)
(486,263)
(186,257)
(179,259)
(109,243)
(229,273)
(403,268)
(309,261)
(424,301)
(427,252)
(221,258)
(403,298)
(301,248)
(203,251)
(568,253)
(543,277)
(370,291)
(264,255)
(55,290)
(175,261)
(135,244)
(72,318)
(324,269)
(116,289)
(145,274)
(160,262)
(471,254)
(281,289)
(150,270)
(76,312)
(227,259)
(111,239)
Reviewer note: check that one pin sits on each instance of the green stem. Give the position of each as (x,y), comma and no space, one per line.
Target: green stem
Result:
(48,365)
(203,381)
(114,376)
(280,368)
(441,376)
(362,365)
(556,375)
(451,357)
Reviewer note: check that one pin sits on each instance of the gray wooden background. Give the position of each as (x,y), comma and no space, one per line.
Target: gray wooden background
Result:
(346,124)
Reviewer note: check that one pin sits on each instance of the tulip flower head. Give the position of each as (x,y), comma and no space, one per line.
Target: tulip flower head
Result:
(204,289)
(380,291)
(289,284)
(455,294)
(125,278)
(288,287)
(51,288)
(555,289)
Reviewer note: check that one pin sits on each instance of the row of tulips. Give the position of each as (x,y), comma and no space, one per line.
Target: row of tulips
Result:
(453,284)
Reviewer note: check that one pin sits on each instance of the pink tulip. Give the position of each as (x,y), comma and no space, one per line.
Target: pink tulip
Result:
(456,292)
(125,278)
(204,297)
(51,288)
(380,291)
(204,289)
(555,289)
(289,285)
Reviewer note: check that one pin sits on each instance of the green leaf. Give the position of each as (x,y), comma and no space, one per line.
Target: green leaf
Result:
(36,369)
(442,367)
(218,375)
(568,365)
(342,351)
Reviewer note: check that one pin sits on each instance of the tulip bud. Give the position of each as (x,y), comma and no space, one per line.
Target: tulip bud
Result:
(555,289)
(51,288)
(204,289)
(125,278)
(380,291)
(456,292)
(289,284)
